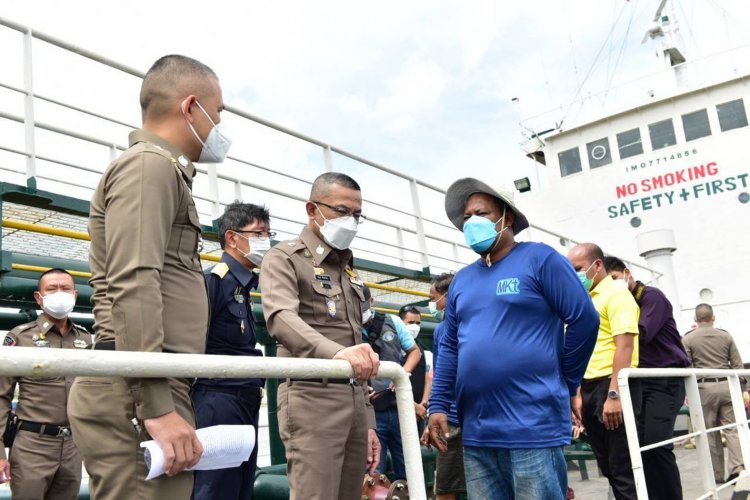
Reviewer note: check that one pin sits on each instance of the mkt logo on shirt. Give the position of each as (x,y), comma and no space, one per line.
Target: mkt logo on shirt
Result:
(508,286)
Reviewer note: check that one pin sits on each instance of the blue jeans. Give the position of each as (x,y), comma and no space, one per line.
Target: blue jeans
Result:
(520,474)
(389,434)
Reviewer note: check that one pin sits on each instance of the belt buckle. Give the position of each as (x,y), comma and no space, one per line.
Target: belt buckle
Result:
(63,432)
(353,381)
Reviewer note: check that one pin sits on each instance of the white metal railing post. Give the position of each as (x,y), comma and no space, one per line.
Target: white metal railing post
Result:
(213,190)
(328,161)
(237,190)
(112,152)
(701,440)
(417,208)
(31,362)
(28,109)
(738,406)
(455,255)
(631,431)
(400,242)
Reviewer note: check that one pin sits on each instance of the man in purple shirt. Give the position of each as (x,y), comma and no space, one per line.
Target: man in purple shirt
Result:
(660,346)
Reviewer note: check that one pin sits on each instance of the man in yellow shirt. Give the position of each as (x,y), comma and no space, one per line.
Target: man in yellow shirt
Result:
(616,348)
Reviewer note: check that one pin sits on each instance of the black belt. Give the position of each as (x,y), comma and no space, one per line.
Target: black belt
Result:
(240,392)
(46,429)
(348,381)
(102,346)
(715,379)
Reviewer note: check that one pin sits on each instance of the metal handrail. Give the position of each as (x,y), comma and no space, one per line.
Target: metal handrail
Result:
(31,362)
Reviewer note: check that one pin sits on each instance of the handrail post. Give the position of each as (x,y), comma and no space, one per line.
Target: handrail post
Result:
(419,222)
(28,109)
(631,431)
(740,417)
(409,435)
(400,243)
(213,190)
(701,441)
(328,161)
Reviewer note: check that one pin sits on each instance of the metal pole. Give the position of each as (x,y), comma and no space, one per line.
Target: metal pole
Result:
(740,417)
(327,158)
(32,362)
(113,152)
(28,109)
(213,190)
(631,432)
(701,441)
(400,243)
(420,223)
(237,190)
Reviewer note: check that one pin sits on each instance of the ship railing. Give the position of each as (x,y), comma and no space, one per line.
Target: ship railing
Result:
(700,432)
(404,233)
(38,363)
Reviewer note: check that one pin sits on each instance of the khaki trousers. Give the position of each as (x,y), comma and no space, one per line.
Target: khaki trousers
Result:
(44,467)
(100,412)
(324,429)
(717,410)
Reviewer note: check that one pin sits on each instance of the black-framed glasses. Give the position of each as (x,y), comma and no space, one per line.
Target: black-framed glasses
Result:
(409,310)
(258,234)
(343,212)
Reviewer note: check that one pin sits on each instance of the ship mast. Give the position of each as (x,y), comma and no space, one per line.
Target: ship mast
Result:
(667,31)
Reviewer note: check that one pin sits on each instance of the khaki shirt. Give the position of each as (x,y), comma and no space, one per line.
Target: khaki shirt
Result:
(709,347)
(312,299)
(149,290)
(42,400)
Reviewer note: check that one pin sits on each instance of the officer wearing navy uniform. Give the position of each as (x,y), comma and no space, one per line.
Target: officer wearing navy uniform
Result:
(44,462)
(245,236)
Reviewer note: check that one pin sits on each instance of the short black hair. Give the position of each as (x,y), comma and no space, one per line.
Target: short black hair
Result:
(56,270)
(238,215)
(614,264)
(442,282)
(167,78)
(323,181)
(407,309)
(703,313)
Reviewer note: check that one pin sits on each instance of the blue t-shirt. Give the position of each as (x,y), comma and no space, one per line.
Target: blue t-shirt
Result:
(506,350)
(436,338)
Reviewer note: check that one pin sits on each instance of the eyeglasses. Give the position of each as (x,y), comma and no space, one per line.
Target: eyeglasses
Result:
(410,309)
(343,212)
(258,234)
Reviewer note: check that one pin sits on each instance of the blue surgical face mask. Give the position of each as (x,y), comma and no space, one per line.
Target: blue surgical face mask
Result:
(585,280)
(480,232)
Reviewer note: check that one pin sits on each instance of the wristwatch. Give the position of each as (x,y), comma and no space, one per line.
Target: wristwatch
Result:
(612,394)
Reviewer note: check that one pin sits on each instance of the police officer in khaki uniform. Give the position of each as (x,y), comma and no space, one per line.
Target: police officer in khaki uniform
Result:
(44,461)
(312,301)
(149,289)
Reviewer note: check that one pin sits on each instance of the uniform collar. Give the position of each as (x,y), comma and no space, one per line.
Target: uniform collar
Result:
(320,249)
(602,286)
(243,274)
(142,135)
(46,324)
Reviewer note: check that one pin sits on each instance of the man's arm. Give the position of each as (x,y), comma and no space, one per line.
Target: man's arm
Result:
(623,358)
(563,291)
(655,312)
(413,354)
(141,203)
(7,389)
(735,360)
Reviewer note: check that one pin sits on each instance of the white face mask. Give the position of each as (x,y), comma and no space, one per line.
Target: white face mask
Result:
(622,283)
(216,147)
(258,249)
(413,329)
(58,304)
(366,315)
(340,232)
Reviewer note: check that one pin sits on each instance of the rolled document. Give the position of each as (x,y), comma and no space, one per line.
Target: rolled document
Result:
(224,447)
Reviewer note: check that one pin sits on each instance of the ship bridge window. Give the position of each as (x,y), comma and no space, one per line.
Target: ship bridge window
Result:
(629,143)
(696,125)
(662,134)
(599,154)
(570,162)
(732,115)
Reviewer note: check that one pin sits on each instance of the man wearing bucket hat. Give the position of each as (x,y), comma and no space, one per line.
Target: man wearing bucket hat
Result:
(519,331)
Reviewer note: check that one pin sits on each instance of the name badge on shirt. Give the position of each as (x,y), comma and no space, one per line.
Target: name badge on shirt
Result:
(79,343)
(331,306)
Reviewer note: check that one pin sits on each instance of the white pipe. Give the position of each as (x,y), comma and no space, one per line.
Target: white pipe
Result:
(35,362)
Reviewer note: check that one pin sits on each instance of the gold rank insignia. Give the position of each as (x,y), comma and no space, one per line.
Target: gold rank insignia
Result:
(307,253)
(319,271)
(221,269)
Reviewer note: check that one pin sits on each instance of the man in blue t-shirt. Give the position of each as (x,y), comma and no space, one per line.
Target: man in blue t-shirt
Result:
(518,332)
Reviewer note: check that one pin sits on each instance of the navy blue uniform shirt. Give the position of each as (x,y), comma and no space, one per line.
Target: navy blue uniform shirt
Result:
(232,328)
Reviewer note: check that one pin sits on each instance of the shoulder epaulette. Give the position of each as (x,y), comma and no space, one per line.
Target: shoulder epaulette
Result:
(23,327)
(221,269)
(291,246)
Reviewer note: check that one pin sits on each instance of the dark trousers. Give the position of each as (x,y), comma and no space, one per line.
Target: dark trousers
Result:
(610,446)
(220,408)
(661,399)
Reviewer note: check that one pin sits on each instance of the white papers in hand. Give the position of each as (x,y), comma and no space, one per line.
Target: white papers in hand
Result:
(224,446)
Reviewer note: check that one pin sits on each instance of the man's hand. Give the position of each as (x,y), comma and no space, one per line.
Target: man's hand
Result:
(420,410)
(438,426)
(4,471)
(425,439)
(177,440)
(365,362)
(373,450)
(576,405)
(612,414)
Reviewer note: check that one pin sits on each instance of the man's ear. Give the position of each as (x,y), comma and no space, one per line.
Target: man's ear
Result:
(311,208)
